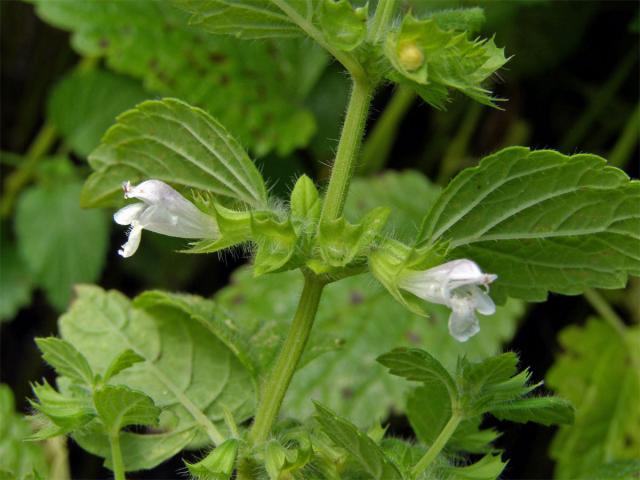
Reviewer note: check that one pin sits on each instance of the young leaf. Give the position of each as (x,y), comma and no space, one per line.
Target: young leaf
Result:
(171,141)
(119,407)
(248,19)
(542,221)
(418,366)
(67,361)
(20,458)
(85,103)
(124,360)
(305,202)
(488,467)
(187,371)
(343,25)
(598,372)
(362,449)
(266,81)
(218,465)
(15,281)
(60,243)
(66,412)
(276,241)
(543,410)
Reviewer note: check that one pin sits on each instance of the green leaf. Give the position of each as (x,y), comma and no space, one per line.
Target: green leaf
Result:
(218,465)
(60,243)
(124,360)
(85,103)
(172,141)
(139,451)
(624,470)
(428,410)
(362,449)
(119,407)
(248,19)
(67,361)
(488,467)
(234,227)
(418,366)
(66,412)
(598,372)
(15,281)
(543,410)
(20,459)
(305,204)
(468,20)
(542,221)
(343,25)
(276,242)
(432,60)
(188,372)
(152,41)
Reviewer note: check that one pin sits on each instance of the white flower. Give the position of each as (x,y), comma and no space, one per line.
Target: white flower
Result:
(162,210)
(455,284)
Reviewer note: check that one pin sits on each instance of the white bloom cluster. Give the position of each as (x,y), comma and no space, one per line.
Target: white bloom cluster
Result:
(162,210)
(456,284)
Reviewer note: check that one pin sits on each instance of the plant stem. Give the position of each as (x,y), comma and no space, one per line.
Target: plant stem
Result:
(276,386)
(601,306)
(116,456)
(381,17)
(437,446)
(627,141)
(375,150)
(20,177)
(350,140)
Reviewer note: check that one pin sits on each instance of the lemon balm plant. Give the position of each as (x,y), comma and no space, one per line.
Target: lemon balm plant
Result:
(142,380)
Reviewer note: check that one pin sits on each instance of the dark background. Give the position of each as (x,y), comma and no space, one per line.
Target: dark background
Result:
(564,57)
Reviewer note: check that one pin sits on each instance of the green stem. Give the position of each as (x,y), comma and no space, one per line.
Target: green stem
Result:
(457,150)
(20,177)
(116,456)
(375,150)
(599,102)
(601,306)
(345,58)
(437,446)
(276,386)
(350,140)
(381,19)
(627,141)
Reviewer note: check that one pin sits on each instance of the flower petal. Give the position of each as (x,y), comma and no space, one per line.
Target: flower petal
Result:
(130,247)
(126,215)
(483,302)
(463,324)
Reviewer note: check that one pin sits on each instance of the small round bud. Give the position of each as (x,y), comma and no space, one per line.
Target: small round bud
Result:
(411,57)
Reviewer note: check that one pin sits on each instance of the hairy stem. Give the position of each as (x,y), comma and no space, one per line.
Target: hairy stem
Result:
(116,456)
(437,446)
(375,150)
(276,386)
(350,140)
(381,19)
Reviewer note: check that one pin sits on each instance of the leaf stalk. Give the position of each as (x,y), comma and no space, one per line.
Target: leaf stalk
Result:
(116,456)
(439,443)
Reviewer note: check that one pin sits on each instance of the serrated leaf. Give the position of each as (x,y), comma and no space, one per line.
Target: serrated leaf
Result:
(417,365)
(152,41)
(19,458)
(248,19)
(343,25)
(60,243)
(171,141)
(218,465)
(124,360)
(15,281)
(119,407)
(362,449)
(85,103)
(188,371)
(598,373)
(543,410)
(66,360)
(542,221)
(66,412)
(432,60)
